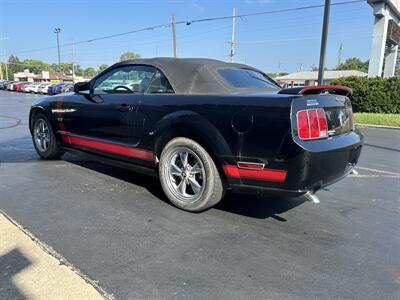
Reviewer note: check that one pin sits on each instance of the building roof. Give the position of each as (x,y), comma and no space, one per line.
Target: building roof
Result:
(313,75)
(193,75)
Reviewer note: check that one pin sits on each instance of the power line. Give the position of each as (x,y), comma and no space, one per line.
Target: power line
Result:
(189,22)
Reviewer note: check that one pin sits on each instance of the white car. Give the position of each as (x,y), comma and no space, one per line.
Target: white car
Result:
(29,87)
(42,89)
(34,87)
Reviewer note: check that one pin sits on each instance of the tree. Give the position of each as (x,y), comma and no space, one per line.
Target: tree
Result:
(14,66)
(66,68)
(89,72)
(315,69)
(103,67)
(78,70)
(129,55)
(274,75)
(36,66)
(354,63)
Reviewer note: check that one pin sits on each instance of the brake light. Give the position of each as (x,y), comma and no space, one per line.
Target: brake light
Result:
(351,118)
(311,124)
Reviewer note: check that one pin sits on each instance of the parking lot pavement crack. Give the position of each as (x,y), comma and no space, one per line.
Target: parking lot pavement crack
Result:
(9,122)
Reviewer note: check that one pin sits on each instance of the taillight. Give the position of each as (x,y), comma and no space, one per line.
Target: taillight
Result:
(351,118)
(311,124)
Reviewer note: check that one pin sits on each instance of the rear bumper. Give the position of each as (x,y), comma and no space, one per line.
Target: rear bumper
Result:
(309,167)
(286,192)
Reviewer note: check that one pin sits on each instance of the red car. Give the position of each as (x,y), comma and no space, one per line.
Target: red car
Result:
(18,86)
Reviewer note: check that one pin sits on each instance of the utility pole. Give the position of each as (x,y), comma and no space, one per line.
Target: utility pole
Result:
(323,42)
(5,61)
(73,61)
(6,64)
(173,35)
(232,42)
(57,31)
(279,68)
(339,61)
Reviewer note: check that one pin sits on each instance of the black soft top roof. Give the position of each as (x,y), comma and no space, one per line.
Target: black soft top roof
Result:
(195,75)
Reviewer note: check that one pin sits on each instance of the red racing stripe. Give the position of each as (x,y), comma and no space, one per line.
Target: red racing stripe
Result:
(265,174)
(108,147)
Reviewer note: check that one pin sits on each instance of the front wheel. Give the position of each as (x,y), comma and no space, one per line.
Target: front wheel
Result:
(44,138)
(189,176)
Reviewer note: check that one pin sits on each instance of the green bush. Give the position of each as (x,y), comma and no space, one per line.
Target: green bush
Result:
(373,95)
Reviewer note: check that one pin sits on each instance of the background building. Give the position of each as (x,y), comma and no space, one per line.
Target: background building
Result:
(46,76)
(311,78)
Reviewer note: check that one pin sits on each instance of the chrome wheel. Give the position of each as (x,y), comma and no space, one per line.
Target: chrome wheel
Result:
(186,175)
(42,135)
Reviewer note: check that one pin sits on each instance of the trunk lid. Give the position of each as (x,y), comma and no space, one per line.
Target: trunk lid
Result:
(336,107)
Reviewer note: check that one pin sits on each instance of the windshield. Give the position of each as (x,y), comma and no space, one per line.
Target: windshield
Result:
(245,78)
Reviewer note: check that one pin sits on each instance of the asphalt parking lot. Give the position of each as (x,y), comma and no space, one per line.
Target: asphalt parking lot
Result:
(117,227)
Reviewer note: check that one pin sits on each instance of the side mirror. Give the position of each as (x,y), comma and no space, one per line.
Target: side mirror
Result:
(82,87)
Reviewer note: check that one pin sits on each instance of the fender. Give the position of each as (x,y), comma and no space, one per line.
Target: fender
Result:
(40,108)
(194,123)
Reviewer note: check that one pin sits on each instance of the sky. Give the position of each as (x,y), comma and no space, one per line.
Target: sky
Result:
(284,42)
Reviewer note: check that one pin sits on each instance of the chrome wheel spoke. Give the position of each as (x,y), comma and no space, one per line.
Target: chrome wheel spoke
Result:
(40,143)
(175,170)
(182,187)
(196,168)
(196,187)
(184,158)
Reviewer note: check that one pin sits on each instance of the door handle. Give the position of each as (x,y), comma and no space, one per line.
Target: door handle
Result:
(125,108)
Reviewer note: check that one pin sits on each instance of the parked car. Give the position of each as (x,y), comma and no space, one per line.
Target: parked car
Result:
(204,126)
(34,87)
(10,85)
(18,86)
(67,88)
(3,84)
(24,87)
(55,89)
(42,89)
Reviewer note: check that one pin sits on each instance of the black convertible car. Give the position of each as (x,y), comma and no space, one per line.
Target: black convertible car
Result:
(204,126)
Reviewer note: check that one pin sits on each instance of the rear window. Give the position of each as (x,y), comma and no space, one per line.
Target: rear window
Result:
(245,78)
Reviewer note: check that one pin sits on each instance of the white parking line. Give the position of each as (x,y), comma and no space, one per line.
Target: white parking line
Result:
(378,171)
(374,176)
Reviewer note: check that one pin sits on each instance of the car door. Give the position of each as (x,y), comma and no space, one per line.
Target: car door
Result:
(107,115)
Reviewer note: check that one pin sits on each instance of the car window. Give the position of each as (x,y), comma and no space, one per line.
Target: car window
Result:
(245,78)
(129,79)
(160,84)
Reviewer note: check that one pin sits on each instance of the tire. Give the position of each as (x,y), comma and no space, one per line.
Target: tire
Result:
(44,138)
(191,182)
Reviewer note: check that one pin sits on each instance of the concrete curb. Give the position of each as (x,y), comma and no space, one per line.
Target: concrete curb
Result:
(61,260)
(378,126)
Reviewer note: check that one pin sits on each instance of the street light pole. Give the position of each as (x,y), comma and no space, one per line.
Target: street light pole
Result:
(57,31)
(173,35)
(5,61)
(323,41)
(73,61)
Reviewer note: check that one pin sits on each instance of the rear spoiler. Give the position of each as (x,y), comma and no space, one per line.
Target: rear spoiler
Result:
(319,89)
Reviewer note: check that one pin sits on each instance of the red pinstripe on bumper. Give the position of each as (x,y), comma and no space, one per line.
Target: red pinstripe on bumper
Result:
(265,174)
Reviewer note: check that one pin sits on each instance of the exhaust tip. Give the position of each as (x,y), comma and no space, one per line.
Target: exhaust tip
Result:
(354,172)
(312,197)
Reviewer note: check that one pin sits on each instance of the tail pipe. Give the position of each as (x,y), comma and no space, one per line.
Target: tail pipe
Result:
(310,196)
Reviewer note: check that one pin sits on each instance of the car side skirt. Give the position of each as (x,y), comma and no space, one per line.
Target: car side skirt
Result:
(107,147)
